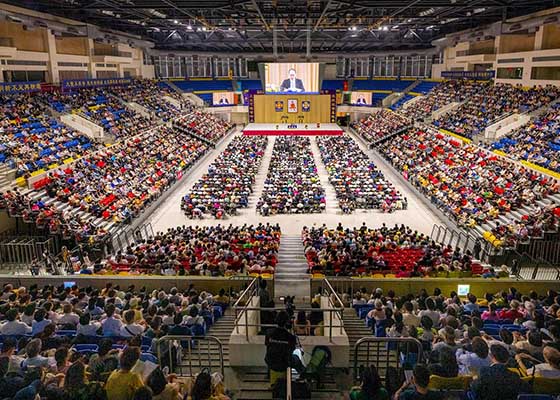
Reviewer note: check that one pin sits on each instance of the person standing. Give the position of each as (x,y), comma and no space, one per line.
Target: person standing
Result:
(280,344)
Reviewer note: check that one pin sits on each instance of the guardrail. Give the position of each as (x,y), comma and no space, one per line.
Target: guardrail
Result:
(242,307)
(384,352)
(190,353)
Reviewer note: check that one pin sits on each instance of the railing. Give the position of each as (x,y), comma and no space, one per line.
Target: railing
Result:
(243,306)
(475,52)
(548,250)
(384,352)
(127,236)
(190,353)
(464,240)
(114,53)
(531,268)
(23,250)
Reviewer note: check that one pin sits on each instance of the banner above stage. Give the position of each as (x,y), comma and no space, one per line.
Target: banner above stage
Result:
(87,83)
(20,87)
(475,75)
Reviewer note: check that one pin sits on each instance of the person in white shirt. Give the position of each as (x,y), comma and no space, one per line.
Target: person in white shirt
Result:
(549,369)
(431,311)
(39,322)
(14,326)
(69,317)
(111,325)
(130,329)
(86,327)
(409,319)
(470,363)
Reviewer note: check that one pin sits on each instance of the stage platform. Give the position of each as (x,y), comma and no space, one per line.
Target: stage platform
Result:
(292,130)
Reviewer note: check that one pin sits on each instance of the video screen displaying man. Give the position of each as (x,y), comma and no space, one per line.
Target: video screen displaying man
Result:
(223,98)
(361,98)
(291,77)
(292,84)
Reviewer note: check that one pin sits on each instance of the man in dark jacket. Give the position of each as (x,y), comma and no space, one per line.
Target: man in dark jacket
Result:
(280,345)
(496,382)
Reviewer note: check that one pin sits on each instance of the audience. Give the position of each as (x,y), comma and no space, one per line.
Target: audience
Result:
(482,108)
(364,251)
(229,181)
(357,182)
(537,142)
(204,125)
(471,185)
(292,184)
(379,125)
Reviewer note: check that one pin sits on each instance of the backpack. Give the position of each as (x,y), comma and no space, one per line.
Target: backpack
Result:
(320,357)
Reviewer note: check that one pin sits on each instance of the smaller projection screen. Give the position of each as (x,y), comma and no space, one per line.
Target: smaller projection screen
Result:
(223,98)
(291,77)
(361,98)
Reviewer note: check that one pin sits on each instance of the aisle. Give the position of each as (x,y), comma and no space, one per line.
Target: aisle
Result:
(332,206)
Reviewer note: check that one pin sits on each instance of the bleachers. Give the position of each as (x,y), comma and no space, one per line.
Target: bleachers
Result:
(401,102)
(425,86)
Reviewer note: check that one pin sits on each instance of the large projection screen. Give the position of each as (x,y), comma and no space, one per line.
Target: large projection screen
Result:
(291,77)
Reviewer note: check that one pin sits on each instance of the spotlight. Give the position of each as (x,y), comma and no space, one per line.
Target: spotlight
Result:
(175,21)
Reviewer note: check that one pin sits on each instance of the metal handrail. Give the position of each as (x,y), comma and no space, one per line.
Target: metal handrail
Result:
(387,341)
(190,344)
(338,299)
(253,282)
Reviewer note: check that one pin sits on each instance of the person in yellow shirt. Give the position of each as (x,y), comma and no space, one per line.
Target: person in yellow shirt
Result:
(122,383)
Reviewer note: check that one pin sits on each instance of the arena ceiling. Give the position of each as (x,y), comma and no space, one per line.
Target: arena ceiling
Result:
(289,25)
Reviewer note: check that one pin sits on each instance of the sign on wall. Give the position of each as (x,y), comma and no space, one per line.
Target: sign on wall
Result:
(19,87)
(86,83)
(476,75)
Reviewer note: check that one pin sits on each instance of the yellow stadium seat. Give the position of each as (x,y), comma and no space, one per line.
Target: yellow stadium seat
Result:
(378,276)
(543,385)
(390,276)
(20,181)
(461,382)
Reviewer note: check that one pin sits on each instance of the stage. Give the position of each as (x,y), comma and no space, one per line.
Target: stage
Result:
(326,129)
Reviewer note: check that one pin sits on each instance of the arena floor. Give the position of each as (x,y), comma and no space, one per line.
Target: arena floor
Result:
(417,216)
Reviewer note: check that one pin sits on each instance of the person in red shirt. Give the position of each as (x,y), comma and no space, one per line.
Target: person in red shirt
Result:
(512,313)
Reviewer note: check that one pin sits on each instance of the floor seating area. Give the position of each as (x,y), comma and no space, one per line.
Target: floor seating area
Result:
(229,181)
(292,184)
(358,183)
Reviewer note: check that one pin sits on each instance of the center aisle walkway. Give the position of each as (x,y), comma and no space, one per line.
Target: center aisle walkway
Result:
(261,176)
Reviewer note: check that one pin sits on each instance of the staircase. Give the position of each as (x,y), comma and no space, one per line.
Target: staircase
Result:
(355,329)
(221,330)
(5,181)
(291,277)
(332,206)
(255,385)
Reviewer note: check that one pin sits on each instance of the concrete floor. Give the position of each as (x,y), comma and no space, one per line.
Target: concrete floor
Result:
(417,216)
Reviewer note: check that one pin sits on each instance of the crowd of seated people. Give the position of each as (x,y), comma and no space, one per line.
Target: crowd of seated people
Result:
(445,93)
(149,95)
(532,225)
(471,184)
(357,182)
(84,343)
(394,251)
(379,125)
(537,142)
(204,125)
(482,108)
(30,139)
(49,217)
(292,184)
(229,181)
(496,347)
(117,182)
(198,250)
(101,108)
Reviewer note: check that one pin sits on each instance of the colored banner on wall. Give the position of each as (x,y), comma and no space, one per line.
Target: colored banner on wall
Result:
(86,83)
(19,87)
(476,75)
